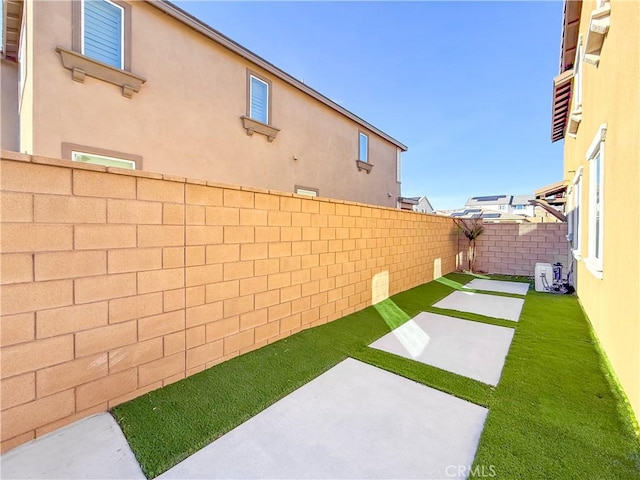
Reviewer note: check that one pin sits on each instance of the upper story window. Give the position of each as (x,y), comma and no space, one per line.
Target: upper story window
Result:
(575,116)
(258,118)
(577,68)
(258,99)
(101,44)
(363,147)
(398,165)
(103,27)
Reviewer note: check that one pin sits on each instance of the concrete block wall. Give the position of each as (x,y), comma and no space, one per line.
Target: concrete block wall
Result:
(115,283)
(514,249)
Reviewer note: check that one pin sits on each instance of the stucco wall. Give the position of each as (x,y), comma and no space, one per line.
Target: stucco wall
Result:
(116,284)
(514,249)
(186,118)
(611,94)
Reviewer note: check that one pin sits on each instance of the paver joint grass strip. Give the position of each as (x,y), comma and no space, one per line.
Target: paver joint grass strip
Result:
(553,414)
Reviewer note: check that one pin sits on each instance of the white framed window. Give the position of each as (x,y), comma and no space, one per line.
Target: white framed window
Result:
(595,157)
(399,165)
(102,34)
(577,69)
(102,160)
(258,99)
(309,191)
(575,116)
(22,61)
(574,219)
(363,147)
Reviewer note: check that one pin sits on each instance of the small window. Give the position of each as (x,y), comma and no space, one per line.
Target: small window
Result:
(258,99)
(595,157)
(103,32)
(399,166)
(102,160)
(311,192)
(363,148)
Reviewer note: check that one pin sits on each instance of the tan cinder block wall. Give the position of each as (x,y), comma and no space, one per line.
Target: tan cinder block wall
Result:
(514,249)
(611,95)
(117,283)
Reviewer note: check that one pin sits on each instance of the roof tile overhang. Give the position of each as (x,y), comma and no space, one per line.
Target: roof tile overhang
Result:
(11,24)
(570,30)
(556,190)
(561,101)
(562,84)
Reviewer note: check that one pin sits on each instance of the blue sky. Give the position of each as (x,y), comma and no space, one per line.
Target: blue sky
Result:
(465,85)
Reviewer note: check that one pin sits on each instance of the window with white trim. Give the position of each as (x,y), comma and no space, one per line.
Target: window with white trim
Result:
(102,160)
(363,147)
(398,165)
(310,192)
(577,85)
(574,219)
(258,99)
(103,32)
(22,60)
(595,158)
(575,116)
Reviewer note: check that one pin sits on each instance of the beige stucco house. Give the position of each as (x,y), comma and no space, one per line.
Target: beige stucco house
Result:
(596,111)
(144,85)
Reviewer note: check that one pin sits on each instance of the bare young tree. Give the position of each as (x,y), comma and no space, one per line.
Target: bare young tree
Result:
(472,228)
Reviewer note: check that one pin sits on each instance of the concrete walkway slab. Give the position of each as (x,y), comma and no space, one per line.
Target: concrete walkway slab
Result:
(471,349)
(93,447)
(507,308)
(353,421)
(519,288)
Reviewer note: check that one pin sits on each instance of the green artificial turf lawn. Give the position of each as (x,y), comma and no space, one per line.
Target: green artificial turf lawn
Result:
(553,415)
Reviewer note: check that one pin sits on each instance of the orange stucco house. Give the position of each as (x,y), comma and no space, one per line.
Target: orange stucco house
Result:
(145,85)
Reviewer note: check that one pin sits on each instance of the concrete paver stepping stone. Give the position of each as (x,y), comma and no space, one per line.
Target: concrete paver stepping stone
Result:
(353,421)
(518,288)
(471,349)
(507,308)
(93,447)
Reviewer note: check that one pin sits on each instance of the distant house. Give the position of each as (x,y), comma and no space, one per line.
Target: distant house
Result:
(551,201)
(498,203)
(596,111)
(423,205)
(510,204)
(417,204)
(144,85)
(488,216)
